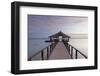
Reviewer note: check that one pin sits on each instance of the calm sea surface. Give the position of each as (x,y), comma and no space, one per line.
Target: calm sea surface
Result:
(35,45)
(81,45)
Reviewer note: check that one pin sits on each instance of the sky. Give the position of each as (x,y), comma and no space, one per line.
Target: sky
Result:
(46,25)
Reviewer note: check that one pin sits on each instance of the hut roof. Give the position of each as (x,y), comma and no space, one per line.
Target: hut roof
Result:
(59,34)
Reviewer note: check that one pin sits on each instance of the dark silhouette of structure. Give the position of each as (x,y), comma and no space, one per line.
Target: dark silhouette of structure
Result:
(60,36)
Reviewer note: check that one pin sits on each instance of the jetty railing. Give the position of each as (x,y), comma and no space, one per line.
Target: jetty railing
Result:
(73,51)
(45,53)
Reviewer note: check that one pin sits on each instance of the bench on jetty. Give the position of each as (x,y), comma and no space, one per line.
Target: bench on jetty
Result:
(58,49)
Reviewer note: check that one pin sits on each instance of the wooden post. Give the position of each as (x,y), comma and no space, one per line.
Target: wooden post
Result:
(69,49)
(42,55)
(47,53)
(68,46)
(76,54)
(50,49)
(72,52)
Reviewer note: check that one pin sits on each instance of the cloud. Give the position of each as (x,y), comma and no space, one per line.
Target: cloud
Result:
(51,24)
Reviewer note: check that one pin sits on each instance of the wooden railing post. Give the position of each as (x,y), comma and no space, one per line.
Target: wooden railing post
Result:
(42,55)
(72,52)
(76,55)
(47,53)
(69,49)
(50,49)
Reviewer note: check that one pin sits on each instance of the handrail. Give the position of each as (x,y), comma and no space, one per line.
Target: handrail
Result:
(79,51)
(70,50)
(49,49)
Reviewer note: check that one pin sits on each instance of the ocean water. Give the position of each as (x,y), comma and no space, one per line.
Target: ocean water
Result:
(81,45)
(35,45)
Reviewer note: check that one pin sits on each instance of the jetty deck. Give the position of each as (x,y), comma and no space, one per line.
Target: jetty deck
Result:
(60,52)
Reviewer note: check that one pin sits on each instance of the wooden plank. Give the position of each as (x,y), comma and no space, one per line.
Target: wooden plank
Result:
(60,52)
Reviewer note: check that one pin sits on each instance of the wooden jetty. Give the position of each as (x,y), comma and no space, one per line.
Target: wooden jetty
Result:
(58,49)
(60,52)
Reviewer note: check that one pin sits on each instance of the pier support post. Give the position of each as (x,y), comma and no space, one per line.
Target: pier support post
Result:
(76,54)
(42,55)
(47,53)
(72,52)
